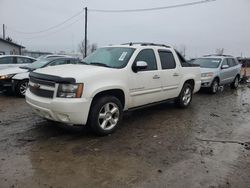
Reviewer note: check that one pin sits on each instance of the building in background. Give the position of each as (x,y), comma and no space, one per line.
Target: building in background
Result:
(7,47)
(35,54)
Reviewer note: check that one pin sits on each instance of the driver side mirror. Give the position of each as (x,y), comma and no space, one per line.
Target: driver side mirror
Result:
(225,67)
(139,65)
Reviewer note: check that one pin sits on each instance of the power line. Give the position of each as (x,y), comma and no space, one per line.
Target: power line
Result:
(48,29)
(152,9)
(51,33)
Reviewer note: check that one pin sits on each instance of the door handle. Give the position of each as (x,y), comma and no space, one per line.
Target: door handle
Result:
(156,77)
(176,74)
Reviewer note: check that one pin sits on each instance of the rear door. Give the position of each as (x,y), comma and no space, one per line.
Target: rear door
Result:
(170,74)
(225,74)
(235,68)
(7,62)
(145,85)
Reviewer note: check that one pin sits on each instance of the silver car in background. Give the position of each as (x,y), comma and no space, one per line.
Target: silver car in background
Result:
(219,70)
(9,61)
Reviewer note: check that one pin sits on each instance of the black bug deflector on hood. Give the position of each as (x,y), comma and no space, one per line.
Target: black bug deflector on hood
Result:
(56,79)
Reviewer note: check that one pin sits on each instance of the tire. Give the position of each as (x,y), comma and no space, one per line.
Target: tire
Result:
(185,97)
(235,83)
(214,87)
(102,120)
(21,88)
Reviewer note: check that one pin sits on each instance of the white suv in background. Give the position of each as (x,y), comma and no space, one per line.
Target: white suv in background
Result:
(114,79)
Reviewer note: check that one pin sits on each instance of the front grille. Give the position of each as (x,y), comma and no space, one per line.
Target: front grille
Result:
(41,92)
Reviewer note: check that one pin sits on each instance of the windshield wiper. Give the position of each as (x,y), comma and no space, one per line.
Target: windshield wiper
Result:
(99,64)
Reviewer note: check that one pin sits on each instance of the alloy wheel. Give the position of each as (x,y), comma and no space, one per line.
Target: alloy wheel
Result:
(108,116)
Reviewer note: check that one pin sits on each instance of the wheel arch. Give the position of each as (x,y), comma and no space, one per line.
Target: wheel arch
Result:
(118,93)
(191,82)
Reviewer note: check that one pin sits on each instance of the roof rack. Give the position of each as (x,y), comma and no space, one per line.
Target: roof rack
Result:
(217,55)
(145,44)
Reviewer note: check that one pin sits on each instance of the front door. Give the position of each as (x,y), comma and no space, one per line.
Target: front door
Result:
(145,85)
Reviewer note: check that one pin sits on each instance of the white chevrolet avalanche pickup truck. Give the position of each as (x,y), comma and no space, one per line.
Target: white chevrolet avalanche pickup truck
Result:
(112,80)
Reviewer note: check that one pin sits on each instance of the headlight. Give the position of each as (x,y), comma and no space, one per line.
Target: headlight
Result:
(5,77)
(70,90)
(209,74)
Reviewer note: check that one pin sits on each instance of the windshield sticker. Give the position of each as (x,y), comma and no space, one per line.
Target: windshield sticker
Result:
(216,61)
(122,57)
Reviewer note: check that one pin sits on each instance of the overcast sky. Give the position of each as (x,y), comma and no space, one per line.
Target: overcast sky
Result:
(201,28)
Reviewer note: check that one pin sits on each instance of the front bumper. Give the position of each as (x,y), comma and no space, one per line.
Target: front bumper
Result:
(206,81)
(6,84)
(70,111)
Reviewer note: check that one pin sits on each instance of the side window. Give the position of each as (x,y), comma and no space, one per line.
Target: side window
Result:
(225,62)
(23,60)
(7,60)
(30,60)
(58,62)
(231,62)
(167,60)
(148,56)
(73,61)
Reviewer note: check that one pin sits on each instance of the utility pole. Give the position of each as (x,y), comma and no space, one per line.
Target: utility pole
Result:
(3,31)
(86,34)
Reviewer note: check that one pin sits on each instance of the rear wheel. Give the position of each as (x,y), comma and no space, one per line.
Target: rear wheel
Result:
(185,96)
(235,83)
(21,88)
(214,87)
(105,115)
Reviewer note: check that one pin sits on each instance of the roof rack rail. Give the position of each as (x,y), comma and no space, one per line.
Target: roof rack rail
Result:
(217,55)
(145,44)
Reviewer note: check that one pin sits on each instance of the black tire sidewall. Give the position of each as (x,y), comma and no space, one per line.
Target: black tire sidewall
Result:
(212,86)
(94,114)
(179,100)
(233,83)
(18,88)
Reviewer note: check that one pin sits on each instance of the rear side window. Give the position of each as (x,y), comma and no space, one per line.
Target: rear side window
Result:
(231,62)
(59,62)
(24,60)
(7,60)
(148,56)
(167,60)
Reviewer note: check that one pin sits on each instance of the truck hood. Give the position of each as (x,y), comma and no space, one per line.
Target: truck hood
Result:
(78,72)
(14,70)
(206,70)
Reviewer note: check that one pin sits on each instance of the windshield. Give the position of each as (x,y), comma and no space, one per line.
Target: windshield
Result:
(38,64)
(208,62)
(114,57)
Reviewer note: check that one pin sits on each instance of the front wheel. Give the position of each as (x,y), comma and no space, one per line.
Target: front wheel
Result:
(235,83)
(105,115)
(214,87)
(185,96)
(21,88)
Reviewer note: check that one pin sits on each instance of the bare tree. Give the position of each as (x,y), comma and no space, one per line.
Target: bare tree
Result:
(93,47)
(90,47)
(183,50)
(81,47)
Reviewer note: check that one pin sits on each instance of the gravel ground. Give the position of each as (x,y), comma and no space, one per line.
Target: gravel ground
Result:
(206,145)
